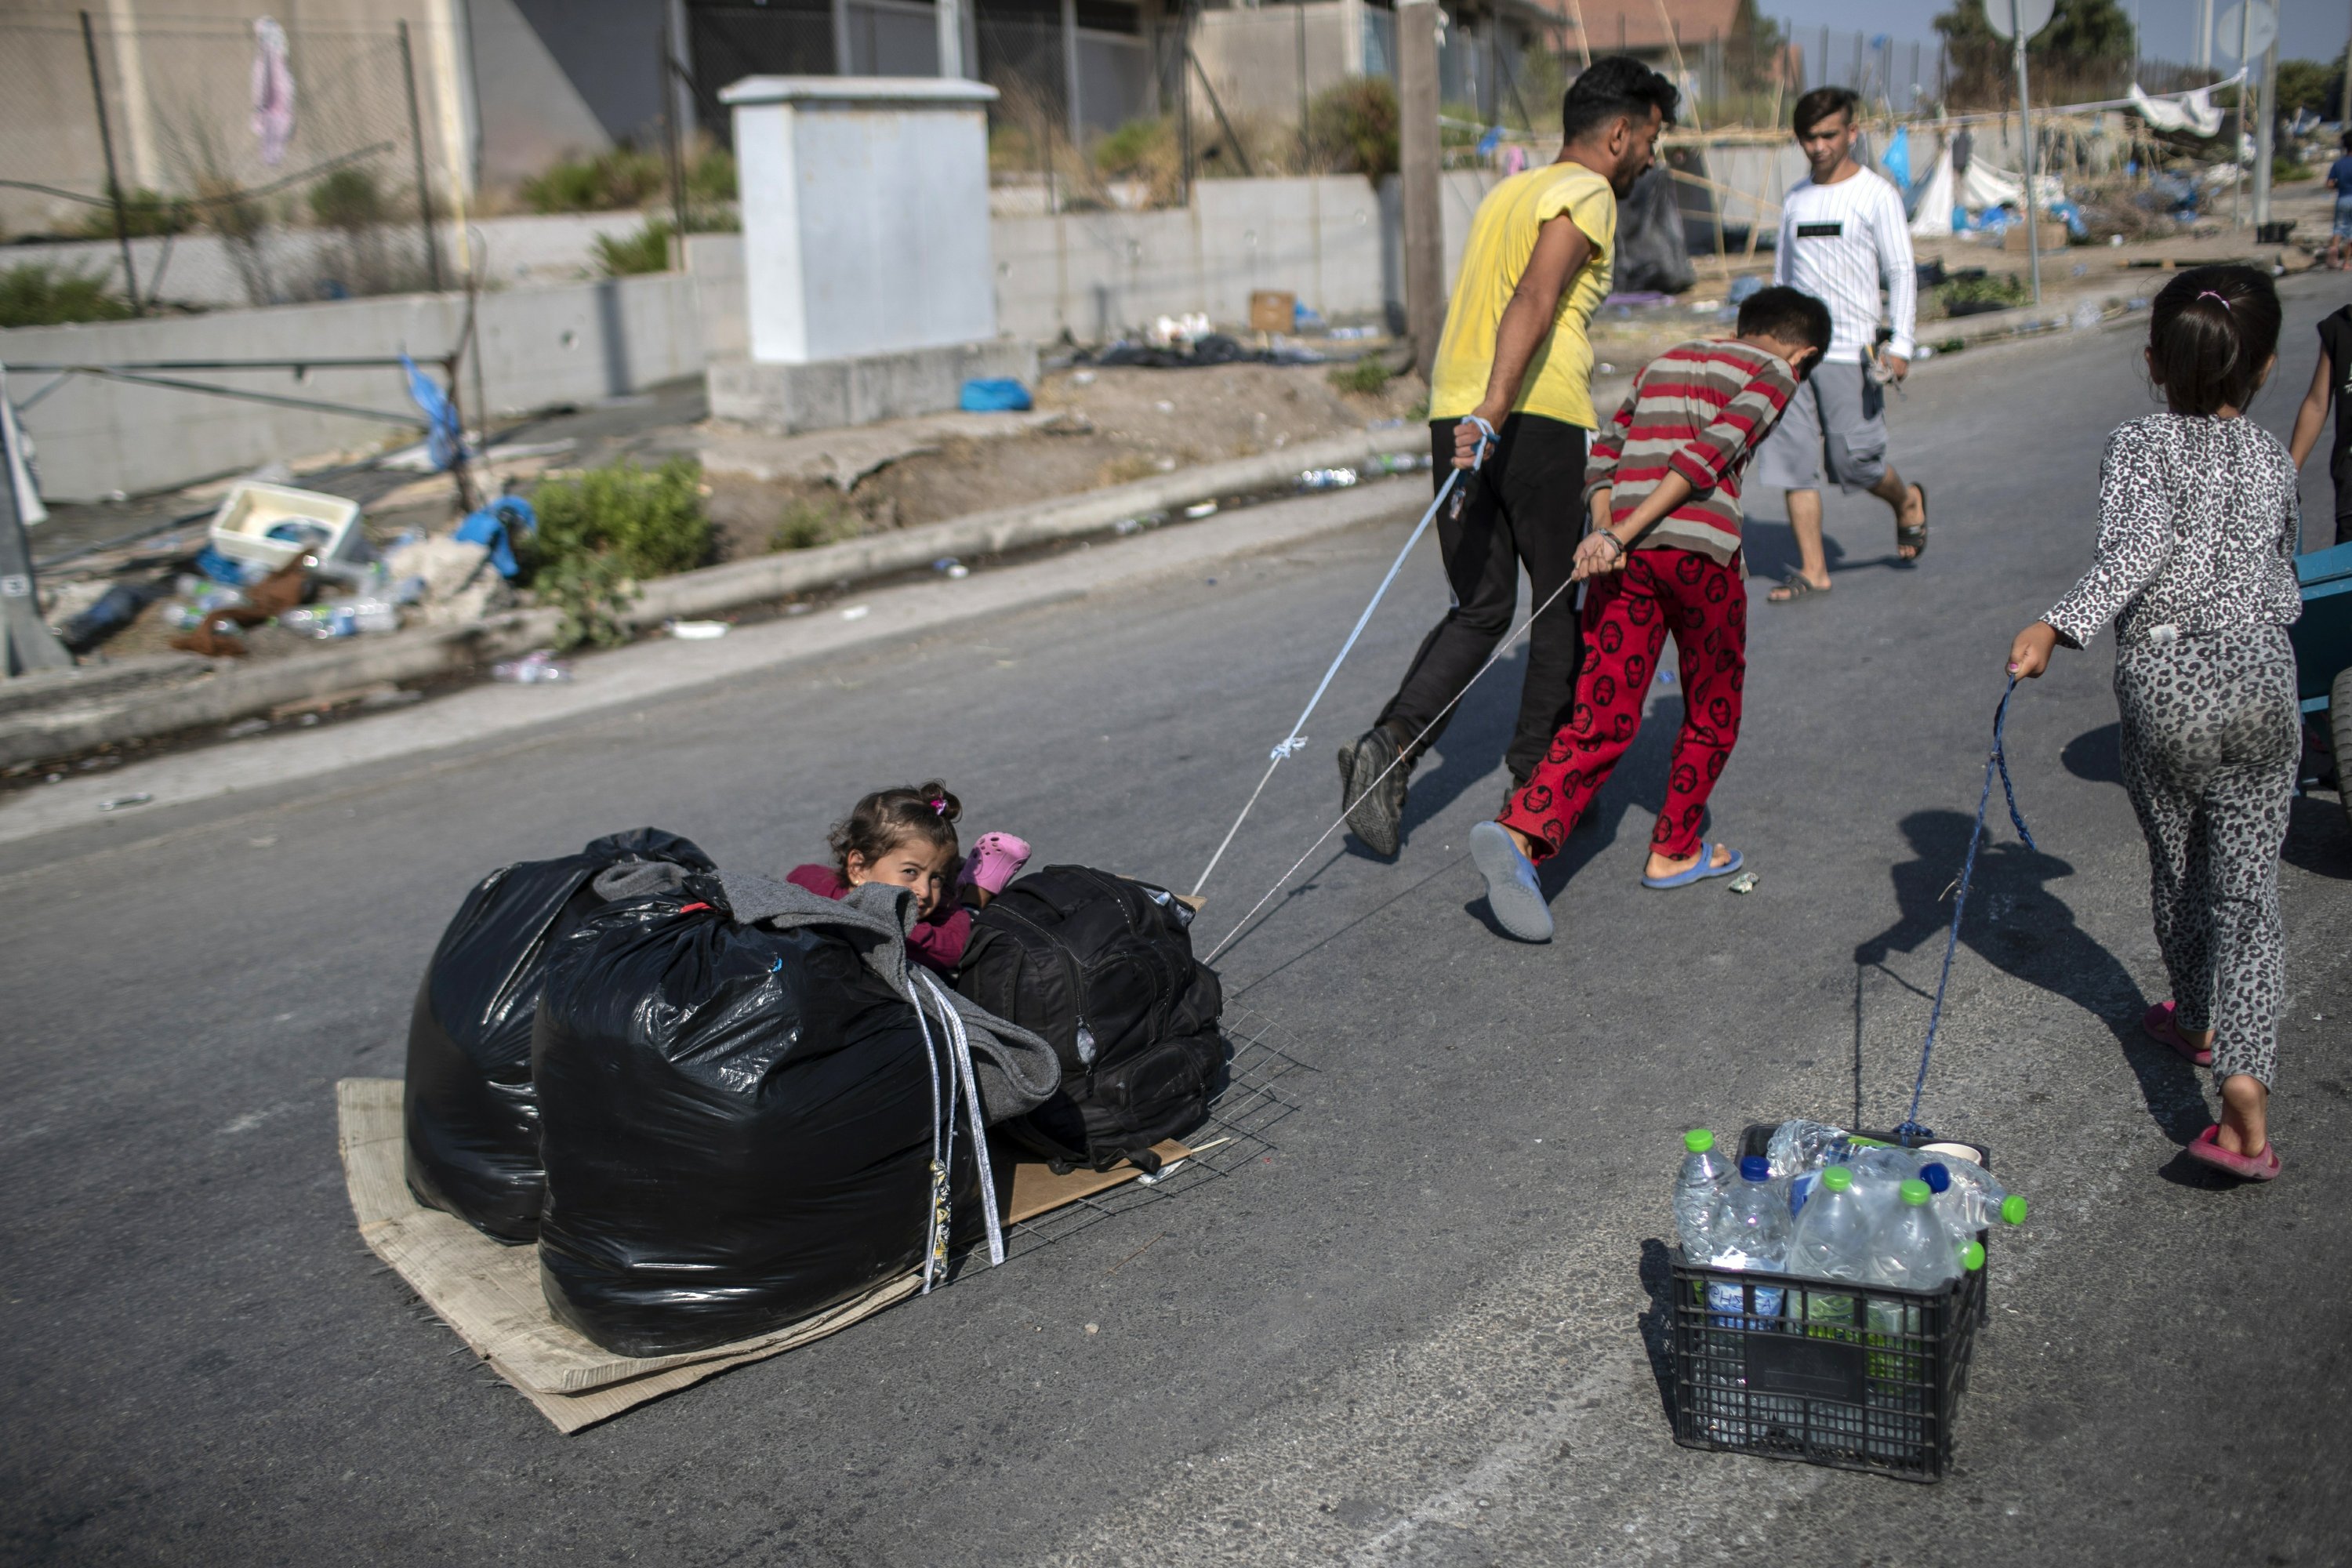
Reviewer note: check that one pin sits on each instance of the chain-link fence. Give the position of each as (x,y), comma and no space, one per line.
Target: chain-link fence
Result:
(219,161)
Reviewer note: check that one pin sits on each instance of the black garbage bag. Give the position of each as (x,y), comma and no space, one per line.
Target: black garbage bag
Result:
(743,1122)
(1653,253)
(469,1113)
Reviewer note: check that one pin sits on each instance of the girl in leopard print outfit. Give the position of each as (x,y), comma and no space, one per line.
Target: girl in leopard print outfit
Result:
(2197,530)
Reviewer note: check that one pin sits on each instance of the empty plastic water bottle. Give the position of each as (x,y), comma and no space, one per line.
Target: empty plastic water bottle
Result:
(1910,1248)
(1800,1148)
(1697,1187)
(1976,1202)
(1749,1231)
(1832,1238)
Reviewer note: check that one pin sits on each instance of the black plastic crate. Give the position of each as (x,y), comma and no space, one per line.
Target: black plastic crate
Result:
(1861,1377)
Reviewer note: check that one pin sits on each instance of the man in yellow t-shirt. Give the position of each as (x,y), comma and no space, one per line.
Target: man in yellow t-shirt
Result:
(1514,353)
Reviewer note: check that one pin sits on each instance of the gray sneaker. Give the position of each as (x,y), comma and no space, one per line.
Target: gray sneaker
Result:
(1371,791)
(1511,891)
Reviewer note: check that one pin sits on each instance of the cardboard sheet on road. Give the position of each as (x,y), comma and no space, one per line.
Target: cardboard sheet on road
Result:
(490,1294)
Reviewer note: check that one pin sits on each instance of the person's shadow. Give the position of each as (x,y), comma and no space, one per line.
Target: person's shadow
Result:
(2017,924)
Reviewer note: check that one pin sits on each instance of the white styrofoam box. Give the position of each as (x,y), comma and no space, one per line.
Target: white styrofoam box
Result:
(865,203)
(241,527)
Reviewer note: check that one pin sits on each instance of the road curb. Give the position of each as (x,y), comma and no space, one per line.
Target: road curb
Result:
(145,698)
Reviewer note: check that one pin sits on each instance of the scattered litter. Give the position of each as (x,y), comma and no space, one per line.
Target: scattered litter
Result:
(1665,678)
(1352,334)
(536,668)
(856,612)
(1326,478)
(343,618)
(1082,378)
(1605,368)
(1165,406)
(1200,508)
(117,803)
(697,631)
(1744,883)
(495,527)
(243,727)
(1128,525)
(1094,1327)
(54,778)
(2086,315)
(1404,462)
(1165,465)
(949,566)
(1154,1178)
(994,394)
(799,607)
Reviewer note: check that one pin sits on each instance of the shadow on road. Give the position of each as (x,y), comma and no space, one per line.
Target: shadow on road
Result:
(2017,924)
(2095,756)
(1657,1324)
(2320,837)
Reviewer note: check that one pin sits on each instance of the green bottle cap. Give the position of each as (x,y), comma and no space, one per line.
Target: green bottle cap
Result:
(1917,1192)
(2012,1208)
(1972,1257)
(1698,1140)
(1837,1178)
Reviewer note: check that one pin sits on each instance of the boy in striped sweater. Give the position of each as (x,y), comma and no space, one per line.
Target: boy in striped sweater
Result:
(1663,556)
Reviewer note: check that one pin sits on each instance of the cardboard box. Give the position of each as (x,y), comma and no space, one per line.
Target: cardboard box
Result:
(2053,237)
(1272,310)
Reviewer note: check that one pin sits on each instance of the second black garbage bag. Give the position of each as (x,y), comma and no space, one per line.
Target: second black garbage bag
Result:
(745,1119)
(470,1116)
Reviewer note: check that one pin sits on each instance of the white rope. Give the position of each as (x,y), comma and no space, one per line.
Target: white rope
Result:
(1500,649)
(934,1215)
(1295,741)
(960,1052)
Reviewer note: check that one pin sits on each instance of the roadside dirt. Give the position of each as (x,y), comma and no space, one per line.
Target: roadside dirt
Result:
(1119,425)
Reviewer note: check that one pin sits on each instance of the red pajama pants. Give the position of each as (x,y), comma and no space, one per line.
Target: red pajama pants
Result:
(1627,615)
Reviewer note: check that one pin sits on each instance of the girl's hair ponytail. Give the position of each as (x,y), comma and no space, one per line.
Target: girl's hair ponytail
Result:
(2210,336)
(889,818)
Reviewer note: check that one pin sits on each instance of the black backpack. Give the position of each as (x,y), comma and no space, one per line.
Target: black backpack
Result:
(1102,968)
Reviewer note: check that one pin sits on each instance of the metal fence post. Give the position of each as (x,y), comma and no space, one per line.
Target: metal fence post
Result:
(416,144)
(672,147)
(113,180)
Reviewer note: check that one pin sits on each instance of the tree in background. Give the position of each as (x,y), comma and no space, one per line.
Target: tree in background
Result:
(2314,85)
(2086,52)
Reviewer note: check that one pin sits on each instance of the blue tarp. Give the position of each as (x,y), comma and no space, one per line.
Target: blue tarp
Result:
(994,394)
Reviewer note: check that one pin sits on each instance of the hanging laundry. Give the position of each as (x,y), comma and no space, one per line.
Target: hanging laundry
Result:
(1935,201)
(2191,111)
(273,90)
(1897,164)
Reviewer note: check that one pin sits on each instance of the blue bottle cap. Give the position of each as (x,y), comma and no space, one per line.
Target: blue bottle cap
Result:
(1938,1178)
(1756,1168)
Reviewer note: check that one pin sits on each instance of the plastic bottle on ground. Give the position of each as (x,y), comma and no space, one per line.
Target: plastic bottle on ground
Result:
(1697,1187)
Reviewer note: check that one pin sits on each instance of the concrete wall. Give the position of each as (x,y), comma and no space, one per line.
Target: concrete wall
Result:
(542,346)
(195,269)
(1331,239)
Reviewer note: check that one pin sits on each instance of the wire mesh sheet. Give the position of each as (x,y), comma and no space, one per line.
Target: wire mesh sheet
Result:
(1243,1122)
(236,188)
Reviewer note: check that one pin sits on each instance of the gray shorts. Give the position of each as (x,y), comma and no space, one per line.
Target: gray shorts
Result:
(1838,416)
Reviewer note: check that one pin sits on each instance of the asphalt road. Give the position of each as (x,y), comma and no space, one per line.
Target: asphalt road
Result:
(1425,1328)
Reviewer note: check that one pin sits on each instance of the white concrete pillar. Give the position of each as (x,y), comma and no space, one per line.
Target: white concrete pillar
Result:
(951,37)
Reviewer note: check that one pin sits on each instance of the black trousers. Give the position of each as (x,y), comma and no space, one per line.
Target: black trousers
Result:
(1525,506)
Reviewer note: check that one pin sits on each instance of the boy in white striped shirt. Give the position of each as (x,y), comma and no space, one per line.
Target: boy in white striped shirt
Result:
(1839,231)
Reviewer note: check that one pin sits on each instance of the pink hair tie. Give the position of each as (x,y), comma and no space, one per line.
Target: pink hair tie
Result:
(2208,294)
(940,807)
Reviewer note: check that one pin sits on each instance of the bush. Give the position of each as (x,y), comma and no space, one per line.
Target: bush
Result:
(1366,377)
(43,295)
(602,531)
(1998,288)
(647,250)
(610,182)
(144,212)
(1353,126)
(807,522)
(347,199)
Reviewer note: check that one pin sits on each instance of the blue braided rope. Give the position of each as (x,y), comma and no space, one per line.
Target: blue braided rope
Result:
(1996,763)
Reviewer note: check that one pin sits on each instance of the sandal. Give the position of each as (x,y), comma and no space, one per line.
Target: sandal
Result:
(2206,1149)
(1793,588)
(2159,1025)
(1913,536)
(1700,869)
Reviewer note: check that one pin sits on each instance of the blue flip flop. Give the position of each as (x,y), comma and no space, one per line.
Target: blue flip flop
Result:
(1701,870)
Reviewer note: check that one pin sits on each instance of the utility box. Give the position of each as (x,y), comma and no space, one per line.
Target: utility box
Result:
(869,289)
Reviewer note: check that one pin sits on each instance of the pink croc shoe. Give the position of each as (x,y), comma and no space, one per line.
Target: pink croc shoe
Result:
(995,859)
(2206,1150)
(2159,1025)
